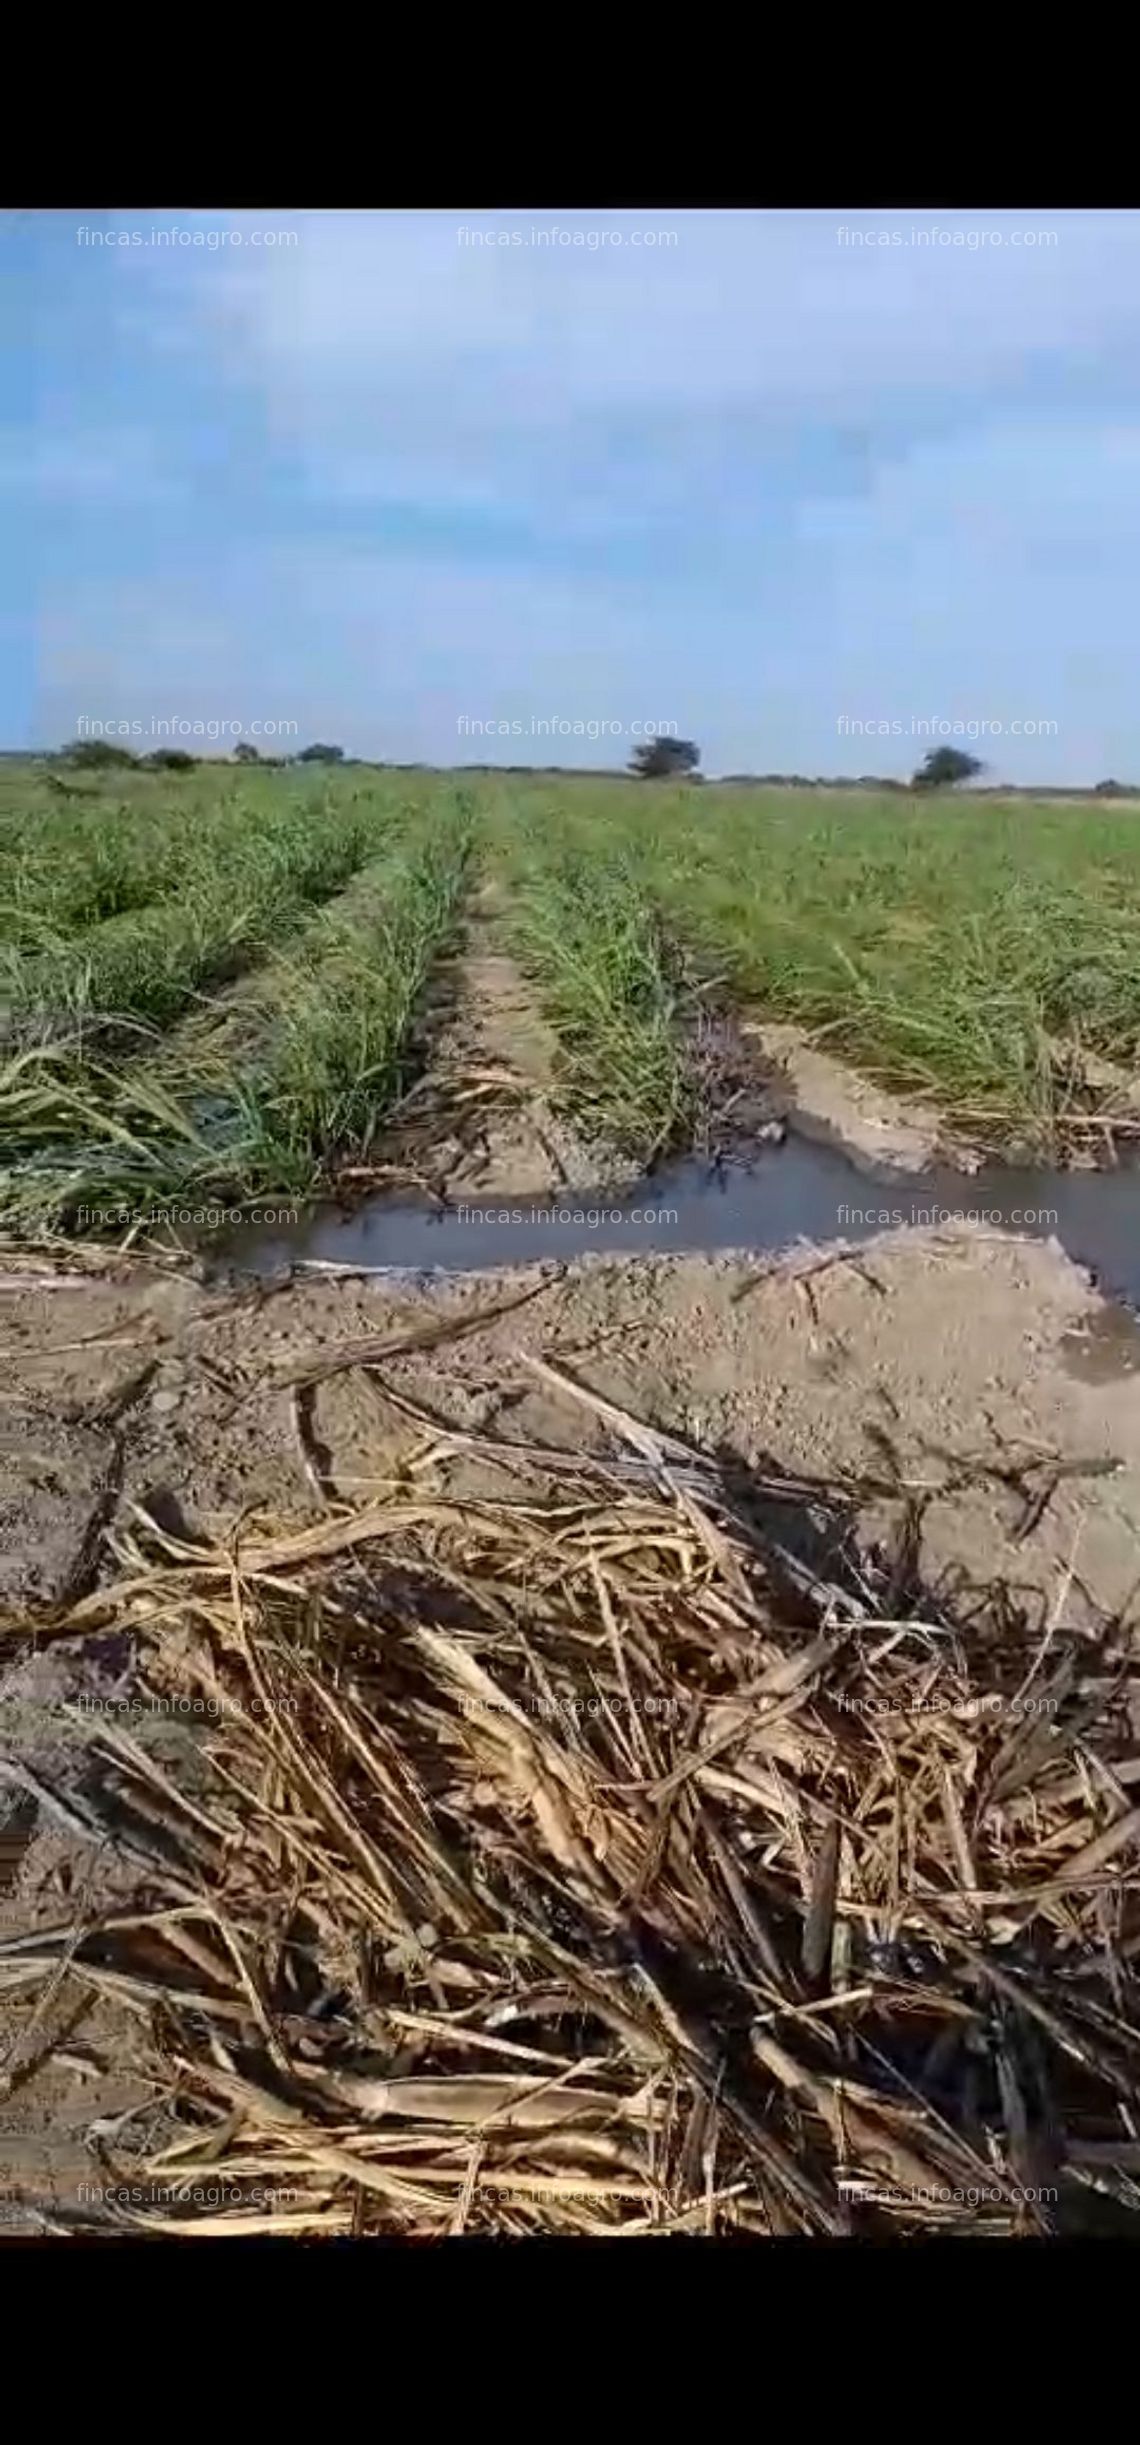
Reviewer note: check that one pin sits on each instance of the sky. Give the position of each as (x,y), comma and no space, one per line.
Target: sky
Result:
(784,483)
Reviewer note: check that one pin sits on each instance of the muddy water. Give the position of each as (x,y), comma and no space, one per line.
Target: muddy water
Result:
(800,1190)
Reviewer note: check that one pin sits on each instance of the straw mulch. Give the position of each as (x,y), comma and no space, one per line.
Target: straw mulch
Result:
(603,1861)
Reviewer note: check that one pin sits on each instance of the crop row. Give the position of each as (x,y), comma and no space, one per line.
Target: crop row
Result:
(589,938)
(239,893)
(273,1094)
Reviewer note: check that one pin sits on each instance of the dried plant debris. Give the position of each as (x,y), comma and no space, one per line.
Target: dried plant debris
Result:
(588,1863)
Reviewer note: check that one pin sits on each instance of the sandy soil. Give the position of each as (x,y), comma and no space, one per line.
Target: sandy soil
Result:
(483,1121)
(951,1347)
(966,1379)
(831,1102)
(827,1100)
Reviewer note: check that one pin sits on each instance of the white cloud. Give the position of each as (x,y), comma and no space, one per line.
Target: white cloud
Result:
(760,308)
(849,473)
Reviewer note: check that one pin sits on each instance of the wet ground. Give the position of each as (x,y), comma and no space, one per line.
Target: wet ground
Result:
(797,1191)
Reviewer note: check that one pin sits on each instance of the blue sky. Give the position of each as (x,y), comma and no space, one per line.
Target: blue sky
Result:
(756,480)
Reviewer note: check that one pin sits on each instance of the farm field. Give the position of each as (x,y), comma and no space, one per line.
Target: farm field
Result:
(421,1642)
(972,952)
(220,984)
(569,1312)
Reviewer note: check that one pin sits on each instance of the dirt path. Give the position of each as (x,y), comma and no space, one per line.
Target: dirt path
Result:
(483,1121)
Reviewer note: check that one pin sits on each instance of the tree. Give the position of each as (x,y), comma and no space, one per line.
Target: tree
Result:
(320,754)
(665,760)
(944,768)
(170,760)
(95,752)
(246,753)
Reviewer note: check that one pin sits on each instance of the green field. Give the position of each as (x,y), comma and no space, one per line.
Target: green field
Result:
(971,951)
(209,981)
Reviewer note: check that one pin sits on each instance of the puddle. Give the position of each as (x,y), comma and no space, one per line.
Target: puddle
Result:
(801,1190)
